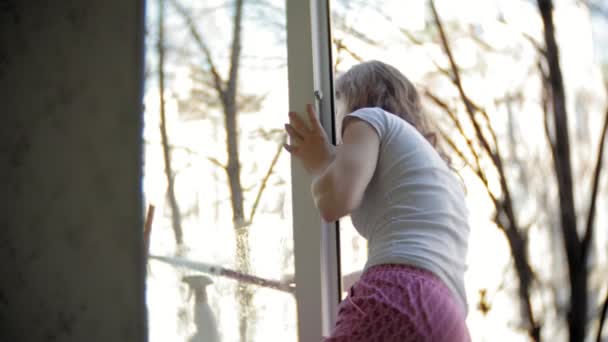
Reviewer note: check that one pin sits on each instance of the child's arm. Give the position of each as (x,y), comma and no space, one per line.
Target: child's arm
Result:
(340,175)
(340,188)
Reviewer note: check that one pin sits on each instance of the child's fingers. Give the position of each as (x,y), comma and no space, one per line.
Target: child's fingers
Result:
(298,124)
(290,148)
(293,134)
(316,125)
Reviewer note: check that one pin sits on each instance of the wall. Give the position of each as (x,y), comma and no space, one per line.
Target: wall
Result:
(70,169)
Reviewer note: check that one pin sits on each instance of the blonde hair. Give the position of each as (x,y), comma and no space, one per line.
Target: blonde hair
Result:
(377,84)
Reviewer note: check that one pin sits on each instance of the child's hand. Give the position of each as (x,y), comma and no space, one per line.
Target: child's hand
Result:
(310,145)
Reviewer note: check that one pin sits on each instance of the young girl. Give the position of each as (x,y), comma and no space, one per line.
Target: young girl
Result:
(391,177)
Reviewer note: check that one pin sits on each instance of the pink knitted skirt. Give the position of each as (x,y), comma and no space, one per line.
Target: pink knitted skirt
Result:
(399,303)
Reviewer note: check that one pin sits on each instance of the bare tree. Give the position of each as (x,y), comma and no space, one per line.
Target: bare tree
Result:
(505,217)
(577,248)
(224,93)
(169,174)
(481,153)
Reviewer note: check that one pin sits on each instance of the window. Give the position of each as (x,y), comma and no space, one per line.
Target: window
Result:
(226,248)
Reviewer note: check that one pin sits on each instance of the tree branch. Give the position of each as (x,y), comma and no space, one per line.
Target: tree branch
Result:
(175,211)
(235,51)
(455,77)
(217,79)
(562,163)
(482,43)
(339,23)
(455,148)
(471,108)
(475,168)
(516,242)
(480,174)
(217,163)
(534,43)
(452,115)
(418,42)
(587,238)
(265,180)
(545,107)
(577,315)
(341,46)
(602,319)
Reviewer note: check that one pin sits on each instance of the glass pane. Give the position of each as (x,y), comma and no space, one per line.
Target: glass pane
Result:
(228,275)
(347,51)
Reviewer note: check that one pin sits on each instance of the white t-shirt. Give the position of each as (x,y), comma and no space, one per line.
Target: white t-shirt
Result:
(413,211)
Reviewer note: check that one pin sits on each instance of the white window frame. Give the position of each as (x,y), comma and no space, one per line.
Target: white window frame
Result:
(316,244)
